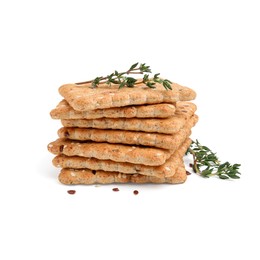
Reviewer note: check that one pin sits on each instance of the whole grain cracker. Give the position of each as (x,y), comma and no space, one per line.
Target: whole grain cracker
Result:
(65,111)
(84,97)
(169,125)
(165,141)
(72,176)
(165,170)
(115,152)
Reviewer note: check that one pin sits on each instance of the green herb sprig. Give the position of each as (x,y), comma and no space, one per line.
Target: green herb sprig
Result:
(123,80)
(207,164)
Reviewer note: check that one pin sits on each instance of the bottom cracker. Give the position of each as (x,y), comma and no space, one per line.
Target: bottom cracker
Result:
(72,176)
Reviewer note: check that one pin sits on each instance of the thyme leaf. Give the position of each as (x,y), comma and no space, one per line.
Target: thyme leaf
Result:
(124,80)
(207,164)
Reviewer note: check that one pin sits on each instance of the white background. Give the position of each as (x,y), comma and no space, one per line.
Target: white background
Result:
(210,46)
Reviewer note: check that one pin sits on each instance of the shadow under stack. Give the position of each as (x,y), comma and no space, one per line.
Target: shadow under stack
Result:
(112,135)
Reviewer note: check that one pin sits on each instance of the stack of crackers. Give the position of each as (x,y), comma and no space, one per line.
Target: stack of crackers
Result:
(112,135)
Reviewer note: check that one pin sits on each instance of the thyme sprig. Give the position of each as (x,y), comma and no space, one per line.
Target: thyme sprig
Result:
(207,164)
(123,80)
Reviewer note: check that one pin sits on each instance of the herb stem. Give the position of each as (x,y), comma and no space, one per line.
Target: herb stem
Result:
(90,81)
(125,81)
(133,71)
(195,167)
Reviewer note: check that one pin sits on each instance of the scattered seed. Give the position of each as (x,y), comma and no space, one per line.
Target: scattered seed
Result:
(191,165)
(188,173)
(71,192)
(115,189)
(135,192)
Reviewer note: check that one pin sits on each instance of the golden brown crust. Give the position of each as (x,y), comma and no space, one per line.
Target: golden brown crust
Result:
(65,111)
(83,97)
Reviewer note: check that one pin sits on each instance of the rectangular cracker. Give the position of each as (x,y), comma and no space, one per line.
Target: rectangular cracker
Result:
(165,170)
(65,111)
(169,125)
(84,97)
(115,152)
(164,141)
(72,176)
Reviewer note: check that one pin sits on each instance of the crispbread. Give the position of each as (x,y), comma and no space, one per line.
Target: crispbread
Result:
(84,97)
(169,125)
(72,176)
(165,170)
(77,162)
(115,152)
(164,141)
(65,111)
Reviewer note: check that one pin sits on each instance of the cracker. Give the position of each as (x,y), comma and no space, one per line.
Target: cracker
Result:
(164,141)
(169,125)
(72,176)
(77,162)
(84,97)
(65,111)
(165,170)
(114,152)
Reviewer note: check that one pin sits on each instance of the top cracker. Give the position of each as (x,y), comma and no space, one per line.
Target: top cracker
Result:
(84,97)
